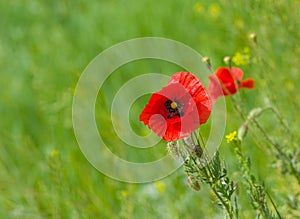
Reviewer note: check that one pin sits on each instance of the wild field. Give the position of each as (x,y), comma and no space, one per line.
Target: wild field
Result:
(45,46)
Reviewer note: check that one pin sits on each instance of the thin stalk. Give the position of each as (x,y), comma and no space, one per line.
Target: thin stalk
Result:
(226,205)
(266,136)
(201,139)
(245,168)
(275,207)
(211,183)
(287,159)
(279,117)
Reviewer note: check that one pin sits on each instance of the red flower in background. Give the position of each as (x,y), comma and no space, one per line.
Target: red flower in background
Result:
(178,109)
(230,80)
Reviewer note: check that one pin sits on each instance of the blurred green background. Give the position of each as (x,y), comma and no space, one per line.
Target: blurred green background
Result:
(45,46)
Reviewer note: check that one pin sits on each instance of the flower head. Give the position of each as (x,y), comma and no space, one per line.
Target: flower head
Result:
(178,109)
(227,81)
(160,186)
(231,137)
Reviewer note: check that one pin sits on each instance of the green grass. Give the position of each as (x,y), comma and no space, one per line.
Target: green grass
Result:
(45,46)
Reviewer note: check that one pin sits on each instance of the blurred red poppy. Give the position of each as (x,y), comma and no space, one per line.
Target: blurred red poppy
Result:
(230,81)
(178,109)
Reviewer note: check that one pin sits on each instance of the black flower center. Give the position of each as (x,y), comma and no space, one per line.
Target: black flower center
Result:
(174,108)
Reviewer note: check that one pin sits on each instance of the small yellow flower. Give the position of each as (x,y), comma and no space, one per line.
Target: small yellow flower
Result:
(239,59)
(54,153)
(231,137)
(246,50)
(214,10)
(124,193)
(160,186)
(198,8)
(243,58)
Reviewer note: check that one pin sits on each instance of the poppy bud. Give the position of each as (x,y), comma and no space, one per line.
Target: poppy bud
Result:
(206,60)
(242,132)
(197,150)
(256,112)
(193,183)
(227,60)
(188,141)
(173,150)
(253,37)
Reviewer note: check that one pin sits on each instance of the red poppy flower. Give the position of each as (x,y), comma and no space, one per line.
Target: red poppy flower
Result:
(230,81)
(178,109)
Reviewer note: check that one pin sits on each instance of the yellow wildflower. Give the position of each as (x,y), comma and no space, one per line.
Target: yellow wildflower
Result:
(198,8)
(160,186)
(246,50)
(231,137)
(242,58)
(214,10)
(54,153)
(238,59)
(124,193)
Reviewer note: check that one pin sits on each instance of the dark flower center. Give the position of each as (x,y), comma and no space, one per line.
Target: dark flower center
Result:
(174,108)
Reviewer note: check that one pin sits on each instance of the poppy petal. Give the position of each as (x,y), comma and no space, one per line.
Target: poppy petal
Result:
(197,90)
(248,83)
(230,80)
(214,88)
(190,82)
(237,72)
(171,124)
(225,76)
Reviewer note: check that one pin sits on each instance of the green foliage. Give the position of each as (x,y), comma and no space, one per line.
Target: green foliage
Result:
(199,168)
(44,47)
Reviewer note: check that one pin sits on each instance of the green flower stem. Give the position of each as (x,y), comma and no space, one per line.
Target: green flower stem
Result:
(211,182)
(284,157)
(279,117)
(227,205)
(238,108)
(257,192)
(282,154)
(274,205)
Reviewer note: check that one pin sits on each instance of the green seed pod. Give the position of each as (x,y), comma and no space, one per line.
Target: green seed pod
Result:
(173,150)
(197,150)
(256,112)
(193,183)
(253,37)
(242,132)
(206,60)
(227,60)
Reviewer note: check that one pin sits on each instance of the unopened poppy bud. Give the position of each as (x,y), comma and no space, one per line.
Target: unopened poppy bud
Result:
(188,141)
(256,112)
(198,150)
(242,132)
(173,150)
(193,183)
(227,60)
(253,37)
(206,60)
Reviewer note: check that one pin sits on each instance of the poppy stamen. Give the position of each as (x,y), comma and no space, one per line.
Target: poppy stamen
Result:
(173,108)
(173,105)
